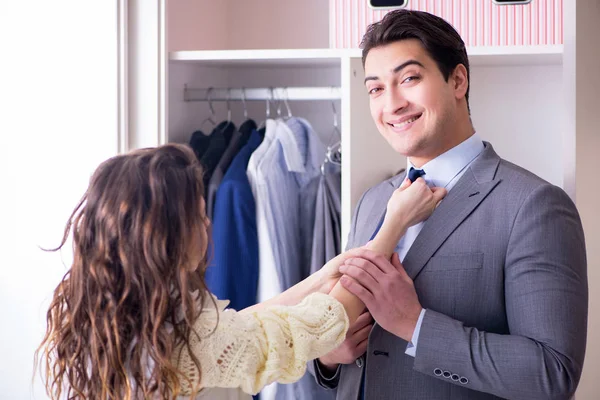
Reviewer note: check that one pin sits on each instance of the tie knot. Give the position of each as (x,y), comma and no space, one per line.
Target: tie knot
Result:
(413,174)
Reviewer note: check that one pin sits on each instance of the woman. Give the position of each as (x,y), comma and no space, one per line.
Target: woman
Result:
(133,318)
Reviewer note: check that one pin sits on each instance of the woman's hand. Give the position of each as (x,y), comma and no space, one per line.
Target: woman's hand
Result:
(409,204)
(413,202)
(329,274)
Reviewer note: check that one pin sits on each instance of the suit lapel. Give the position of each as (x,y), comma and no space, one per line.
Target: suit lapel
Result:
(471,189)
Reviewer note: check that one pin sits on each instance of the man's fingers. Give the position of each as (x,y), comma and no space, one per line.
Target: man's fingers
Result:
(357,289)
(361,348)
(361,277)
(363,271)
(363,320)
(375,258)
(362,334)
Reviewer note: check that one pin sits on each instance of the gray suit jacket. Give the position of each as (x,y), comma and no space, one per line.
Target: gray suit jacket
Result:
(500,267)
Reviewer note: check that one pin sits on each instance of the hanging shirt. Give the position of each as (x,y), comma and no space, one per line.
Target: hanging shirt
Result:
(238,140)
(326,234)
(268,280)
(233,273)
(199,143)
(285,170)
(219,140)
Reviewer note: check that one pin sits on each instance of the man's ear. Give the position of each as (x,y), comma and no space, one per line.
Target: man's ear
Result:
(460,81)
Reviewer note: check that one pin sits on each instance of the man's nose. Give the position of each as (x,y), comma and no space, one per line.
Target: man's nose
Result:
(395,101)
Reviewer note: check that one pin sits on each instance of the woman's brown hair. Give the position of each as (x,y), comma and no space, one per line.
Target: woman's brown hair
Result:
(128,302)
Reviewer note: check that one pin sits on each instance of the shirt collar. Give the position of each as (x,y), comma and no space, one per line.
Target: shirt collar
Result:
(441,170)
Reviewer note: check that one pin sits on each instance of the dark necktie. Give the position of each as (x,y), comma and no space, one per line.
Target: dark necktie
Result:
(413,174)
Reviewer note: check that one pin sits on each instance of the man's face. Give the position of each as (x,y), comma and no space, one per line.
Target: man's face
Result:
(412,105)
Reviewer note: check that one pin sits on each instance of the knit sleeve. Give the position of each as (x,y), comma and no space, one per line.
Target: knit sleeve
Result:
(252,349)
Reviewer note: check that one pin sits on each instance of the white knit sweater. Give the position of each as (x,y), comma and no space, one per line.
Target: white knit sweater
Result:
(246,351)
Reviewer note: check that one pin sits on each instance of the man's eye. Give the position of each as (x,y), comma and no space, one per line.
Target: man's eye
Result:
(374,90)
(410,79)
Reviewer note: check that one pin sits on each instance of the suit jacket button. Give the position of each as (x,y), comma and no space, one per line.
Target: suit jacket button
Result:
(359,362)
(463,380)
(455,377)
(437,372)
(447,374)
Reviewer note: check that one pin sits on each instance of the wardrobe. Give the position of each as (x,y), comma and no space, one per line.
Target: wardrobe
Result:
(534,103)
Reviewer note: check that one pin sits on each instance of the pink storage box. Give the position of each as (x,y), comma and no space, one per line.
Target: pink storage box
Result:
(480,22)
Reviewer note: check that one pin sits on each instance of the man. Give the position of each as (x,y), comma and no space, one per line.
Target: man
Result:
(490,299)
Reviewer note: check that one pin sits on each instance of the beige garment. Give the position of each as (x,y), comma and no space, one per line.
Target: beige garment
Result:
(247,350)
(220,394)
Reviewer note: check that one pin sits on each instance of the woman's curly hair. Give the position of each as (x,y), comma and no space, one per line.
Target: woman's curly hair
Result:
(128,302)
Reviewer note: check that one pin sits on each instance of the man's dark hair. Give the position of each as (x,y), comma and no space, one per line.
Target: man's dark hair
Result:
(439,39)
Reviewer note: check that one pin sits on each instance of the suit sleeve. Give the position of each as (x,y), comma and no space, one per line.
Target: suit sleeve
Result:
(546,298)
(331,382)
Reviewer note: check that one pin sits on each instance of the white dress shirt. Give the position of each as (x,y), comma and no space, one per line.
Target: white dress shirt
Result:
(268,281)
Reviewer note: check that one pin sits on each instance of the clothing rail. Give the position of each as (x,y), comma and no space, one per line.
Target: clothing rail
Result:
(251,94)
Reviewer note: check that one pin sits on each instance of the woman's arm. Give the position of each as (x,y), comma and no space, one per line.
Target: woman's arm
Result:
(383,243)
(321,281)
(409,204)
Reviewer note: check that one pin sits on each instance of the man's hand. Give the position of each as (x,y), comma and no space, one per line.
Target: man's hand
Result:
(353,347)
(387,291)
(329,274)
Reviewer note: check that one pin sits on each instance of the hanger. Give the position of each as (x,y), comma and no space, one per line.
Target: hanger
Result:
(211,117)
(333,153)
(244,103)
(227,101)
(268,110)
(287,106)
(223,126)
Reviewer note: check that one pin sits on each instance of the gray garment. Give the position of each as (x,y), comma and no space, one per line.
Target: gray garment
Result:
(320,244)
(215,181)
(500,267)
(326,237)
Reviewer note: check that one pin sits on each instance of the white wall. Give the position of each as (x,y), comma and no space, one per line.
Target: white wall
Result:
(247,24)
(197,24)
(278,24)
(58,122)
(533,140)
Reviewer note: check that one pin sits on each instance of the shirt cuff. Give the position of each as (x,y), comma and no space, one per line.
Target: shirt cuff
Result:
(323,377)
(411,348)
